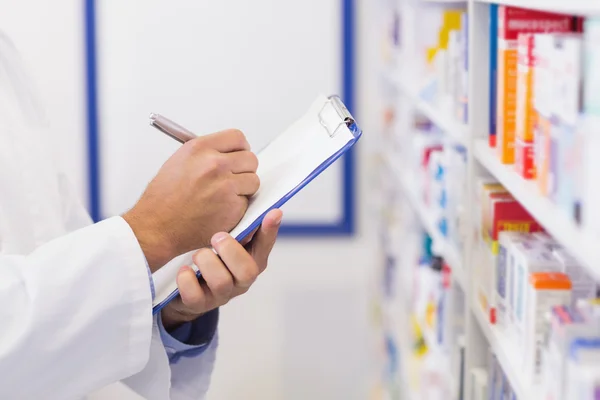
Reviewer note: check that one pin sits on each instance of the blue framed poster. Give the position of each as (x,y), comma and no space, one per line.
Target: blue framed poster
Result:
(183,59)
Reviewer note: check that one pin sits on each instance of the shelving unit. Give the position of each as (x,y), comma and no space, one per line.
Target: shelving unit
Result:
(445,249)
(506,355)
(456,132)
(552,218)
(481,335)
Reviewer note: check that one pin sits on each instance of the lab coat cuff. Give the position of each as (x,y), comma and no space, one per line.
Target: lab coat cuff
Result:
(133,260)
(151,279)
(190,339)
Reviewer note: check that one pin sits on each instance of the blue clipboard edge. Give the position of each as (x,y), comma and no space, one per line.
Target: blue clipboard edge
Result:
(345,227)
(356,131)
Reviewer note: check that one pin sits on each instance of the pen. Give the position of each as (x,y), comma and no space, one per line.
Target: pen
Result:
(170,128)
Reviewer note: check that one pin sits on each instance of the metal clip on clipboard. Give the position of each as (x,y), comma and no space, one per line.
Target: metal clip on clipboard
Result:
(335,105)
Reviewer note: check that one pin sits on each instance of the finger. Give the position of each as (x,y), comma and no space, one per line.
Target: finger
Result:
(193,296)
(226,141)
(215,273)
(249,237)
(246,184)
(238,260)
(242,161)
(265,238)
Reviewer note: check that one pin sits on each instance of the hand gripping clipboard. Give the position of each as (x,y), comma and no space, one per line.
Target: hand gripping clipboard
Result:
(286,165)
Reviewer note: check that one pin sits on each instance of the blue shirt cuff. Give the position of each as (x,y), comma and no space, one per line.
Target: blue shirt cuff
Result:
(152,290)
(189,339)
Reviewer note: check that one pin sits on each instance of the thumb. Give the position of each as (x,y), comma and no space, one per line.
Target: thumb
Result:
(265,238)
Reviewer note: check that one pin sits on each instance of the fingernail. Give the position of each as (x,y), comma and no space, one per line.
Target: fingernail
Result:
(219,237)
(184,268)
(278,220)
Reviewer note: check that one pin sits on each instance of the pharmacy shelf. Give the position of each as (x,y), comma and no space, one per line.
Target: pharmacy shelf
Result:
(507,356)
(552,218)
(441,244)
(443,248)
(455,131)
(576,7)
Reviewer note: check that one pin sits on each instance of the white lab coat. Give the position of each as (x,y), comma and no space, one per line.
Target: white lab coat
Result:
(75,313)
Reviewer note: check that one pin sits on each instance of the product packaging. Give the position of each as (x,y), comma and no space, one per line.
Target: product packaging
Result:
(493,73)
(456,188)
(564,172)
(505,270)
(463,99)
(584,286)
(546,289)
(485,258)
(542,100)
(526,118)
(512,22)
(591,141)
(566,325)
(583,371)
(529,258)
(501,212)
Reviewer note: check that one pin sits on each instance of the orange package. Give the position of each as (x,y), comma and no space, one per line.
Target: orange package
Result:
(526,115)
(512,22)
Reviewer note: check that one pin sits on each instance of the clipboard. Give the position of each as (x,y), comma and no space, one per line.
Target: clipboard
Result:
(286,165)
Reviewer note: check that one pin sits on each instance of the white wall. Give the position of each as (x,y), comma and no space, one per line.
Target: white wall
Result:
(254,65)
(51,42)
(300,333)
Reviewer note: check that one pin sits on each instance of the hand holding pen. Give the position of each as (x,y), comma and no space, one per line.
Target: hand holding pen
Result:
(230,268)
(201,190)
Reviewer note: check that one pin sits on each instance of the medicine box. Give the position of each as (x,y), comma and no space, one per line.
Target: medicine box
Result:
(493,88)
(484,259)
(546,241)
(501,212)
(568,71)
(546,289)
(504,213)
(584,285)
(591,106)
(505,273)
(530,258)
(583,372)
(566,325)
(512,22)
(463,101)
(542,100)
(526,119)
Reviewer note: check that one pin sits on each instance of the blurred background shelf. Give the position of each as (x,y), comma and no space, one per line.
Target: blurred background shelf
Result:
(506,356)
(442,246)
(583,246)
(455,131)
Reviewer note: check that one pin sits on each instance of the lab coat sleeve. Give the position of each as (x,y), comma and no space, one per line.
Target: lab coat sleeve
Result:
(192,375)
(192,352)
(160,378)
(190,339)
(185,377)
(76,314)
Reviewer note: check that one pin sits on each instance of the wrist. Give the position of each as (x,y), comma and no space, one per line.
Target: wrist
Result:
(155,245)
(172,319)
